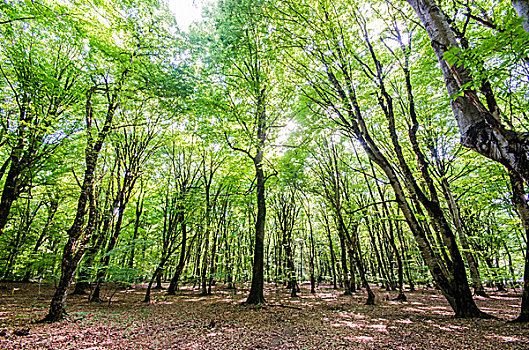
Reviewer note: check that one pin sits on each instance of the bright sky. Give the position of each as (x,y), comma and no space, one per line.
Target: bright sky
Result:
(187,11)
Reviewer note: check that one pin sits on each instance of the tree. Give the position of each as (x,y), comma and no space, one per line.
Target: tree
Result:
(480,125)
(134,146)
(108,91)
(286,212)
(42,78)
(334,90)
(247,59)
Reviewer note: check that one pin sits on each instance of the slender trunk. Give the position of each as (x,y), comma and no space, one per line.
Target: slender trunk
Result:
(139,211)
(470,258)
(154,277)
(370,228)
(510,265)
(121,200)
(205,257)
(173,286)
(331,252)
(291,270)
(77,235)
(20,239)
(520,203)
(256,295)
(278,250)
(159,281)
(356,256)
(51,214)
(311,257)
(348,287)
(213,264)
(404,247)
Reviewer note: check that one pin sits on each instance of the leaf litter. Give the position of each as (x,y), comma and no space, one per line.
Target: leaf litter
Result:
(325,320)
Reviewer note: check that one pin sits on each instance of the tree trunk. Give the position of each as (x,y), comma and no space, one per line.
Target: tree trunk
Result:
(10,190)
(480,130)
(213,264)
(349,288)
(470,258)
(54,205)
(205,258)
(75,246)
(154,277)
(139,211)
(356,255)
(331,252)
(256,295)
(312,256)
(520,203)
(173,286)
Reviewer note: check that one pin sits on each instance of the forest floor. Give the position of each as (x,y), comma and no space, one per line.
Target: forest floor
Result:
(325,320)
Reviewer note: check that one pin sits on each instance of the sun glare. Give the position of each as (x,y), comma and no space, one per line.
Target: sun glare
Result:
(187,11)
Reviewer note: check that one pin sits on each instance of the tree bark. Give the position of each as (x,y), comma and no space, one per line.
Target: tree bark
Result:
(76,245)
(173,286)
(52,210)
(480,130)
(256,295)
(139,212)
(331,252)
(522,9)
(521,206)
(470,258)
(9,193)
(311,256)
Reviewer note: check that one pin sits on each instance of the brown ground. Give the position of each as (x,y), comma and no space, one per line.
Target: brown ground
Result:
(326,320)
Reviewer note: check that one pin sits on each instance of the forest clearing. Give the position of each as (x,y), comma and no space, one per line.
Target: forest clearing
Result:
(325,320)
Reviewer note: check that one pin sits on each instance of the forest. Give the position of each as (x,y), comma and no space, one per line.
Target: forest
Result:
(280,161)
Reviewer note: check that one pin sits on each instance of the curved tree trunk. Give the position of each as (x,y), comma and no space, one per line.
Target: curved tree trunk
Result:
(469,256)
(480,128)
(331,252)
(173,286)
(78,235)
(76,245)
(52,210)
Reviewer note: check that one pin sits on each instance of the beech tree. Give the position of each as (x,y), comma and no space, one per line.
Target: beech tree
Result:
(253,106)
(480,123)
(333,90)
(104,97)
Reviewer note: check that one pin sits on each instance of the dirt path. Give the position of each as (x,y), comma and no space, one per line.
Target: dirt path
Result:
(326,320)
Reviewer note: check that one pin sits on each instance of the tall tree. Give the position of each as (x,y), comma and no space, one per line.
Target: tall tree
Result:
(480,123)
(335,90)
(247,59)
(120,64)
